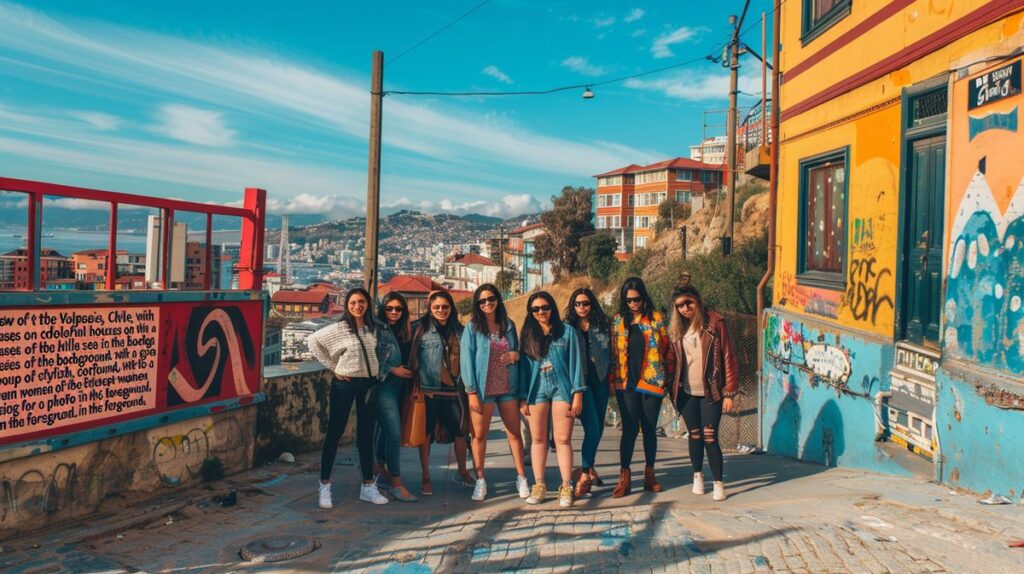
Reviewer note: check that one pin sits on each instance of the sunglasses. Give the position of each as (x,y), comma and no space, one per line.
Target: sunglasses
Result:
(487,300)
(685,304)
(440,307)
(581,304)
(634,300)
(394,309)
(541,309)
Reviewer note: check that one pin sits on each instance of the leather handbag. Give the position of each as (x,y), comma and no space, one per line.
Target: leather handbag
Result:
(414,418)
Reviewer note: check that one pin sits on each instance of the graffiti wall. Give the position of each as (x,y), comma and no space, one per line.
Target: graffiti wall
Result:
(819,393)
(70,369)
(984,305)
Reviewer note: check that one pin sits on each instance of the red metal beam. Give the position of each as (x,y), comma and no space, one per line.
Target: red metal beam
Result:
(34,239)
(209,252)
(167,231)
(112,249)
(250,276)
(38,187)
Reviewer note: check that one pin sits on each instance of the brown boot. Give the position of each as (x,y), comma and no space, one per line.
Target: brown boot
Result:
(594,478)
(623,487)
(650,482)
(581,483)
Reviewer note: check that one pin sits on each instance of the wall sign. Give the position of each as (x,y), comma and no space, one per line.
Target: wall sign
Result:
(998,84)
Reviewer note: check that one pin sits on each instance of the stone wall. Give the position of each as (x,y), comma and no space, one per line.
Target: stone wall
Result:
(293,418)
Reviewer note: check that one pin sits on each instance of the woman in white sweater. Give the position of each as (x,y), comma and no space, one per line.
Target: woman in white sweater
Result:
(348,349)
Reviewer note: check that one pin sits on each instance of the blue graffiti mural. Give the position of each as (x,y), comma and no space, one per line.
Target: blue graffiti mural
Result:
(984,306)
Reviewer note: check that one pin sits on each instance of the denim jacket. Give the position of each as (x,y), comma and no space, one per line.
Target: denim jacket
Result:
(427,358)
(475,356)
(389,354)
(566,356)
(600,351)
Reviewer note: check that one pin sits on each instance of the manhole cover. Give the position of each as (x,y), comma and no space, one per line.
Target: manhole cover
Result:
(278,548)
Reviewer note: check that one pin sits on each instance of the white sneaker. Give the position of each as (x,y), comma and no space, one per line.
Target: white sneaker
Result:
(369,493)
(698,483)
(523,486)
(325,496)
(719,493)
(480,490)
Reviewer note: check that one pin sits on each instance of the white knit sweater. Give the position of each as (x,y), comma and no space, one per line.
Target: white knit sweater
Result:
(336,346)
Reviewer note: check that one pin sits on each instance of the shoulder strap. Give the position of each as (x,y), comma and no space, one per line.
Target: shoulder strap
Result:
(366,358)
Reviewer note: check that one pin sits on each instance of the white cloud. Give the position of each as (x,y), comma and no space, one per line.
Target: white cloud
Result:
(661,47)
(634,15)
(696,87)
(508,206)
(639,32)
(603,22)
(193,125)
(582,65)
(98,120)
(494,72)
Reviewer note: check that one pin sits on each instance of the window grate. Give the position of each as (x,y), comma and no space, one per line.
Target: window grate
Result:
(929,108)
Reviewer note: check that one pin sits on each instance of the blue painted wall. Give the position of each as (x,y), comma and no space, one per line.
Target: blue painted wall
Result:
(820,385)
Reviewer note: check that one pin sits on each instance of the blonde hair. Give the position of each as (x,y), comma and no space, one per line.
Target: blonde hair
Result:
(679,325)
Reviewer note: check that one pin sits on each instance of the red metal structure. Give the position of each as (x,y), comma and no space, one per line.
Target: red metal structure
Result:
(252,214)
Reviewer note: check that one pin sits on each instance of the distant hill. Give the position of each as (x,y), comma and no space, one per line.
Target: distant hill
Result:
(485,219)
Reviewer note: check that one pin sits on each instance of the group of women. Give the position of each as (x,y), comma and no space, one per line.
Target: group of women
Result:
(552,371)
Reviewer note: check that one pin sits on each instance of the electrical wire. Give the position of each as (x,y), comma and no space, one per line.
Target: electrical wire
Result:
(552,90)
(438,31)
(758,22)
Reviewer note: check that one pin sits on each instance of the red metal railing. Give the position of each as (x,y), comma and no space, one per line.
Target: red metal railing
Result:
(252,214)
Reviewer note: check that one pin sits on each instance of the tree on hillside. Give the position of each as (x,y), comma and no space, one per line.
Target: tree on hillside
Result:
(507,280)
(671,212)
(566,223)
(597,255)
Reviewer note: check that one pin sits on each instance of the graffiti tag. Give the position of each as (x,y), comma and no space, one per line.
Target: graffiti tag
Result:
(863,297)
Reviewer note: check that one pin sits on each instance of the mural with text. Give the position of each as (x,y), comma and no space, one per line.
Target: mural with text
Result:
(984,306)
(65,369)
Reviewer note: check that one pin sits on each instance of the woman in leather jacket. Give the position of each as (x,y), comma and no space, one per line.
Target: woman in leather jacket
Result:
(706,379)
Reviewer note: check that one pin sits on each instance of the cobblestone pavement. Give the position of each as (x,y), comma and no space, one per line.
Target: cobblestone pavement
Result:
(782,516)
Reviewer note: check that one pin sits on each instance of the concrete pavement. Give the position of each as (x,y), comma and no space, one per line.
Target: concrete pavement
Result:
(782,516)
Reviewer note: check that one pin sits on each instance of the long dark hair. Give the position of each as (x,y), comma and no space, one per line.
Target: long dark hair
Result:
(452,325)
(532,339)
(479,320)
(401,328)
(646,305)
(367,318)
(598,319)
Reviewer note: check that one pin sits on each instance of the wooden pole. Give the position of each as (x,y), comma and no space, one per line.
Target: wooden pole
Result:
(373,177)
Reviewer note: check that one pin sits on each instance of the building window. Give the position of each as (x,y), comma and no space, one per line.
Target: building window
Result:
(601,222)
(710,177)
(684,175)
(613,180)
(609,200)
(652,176)
(682,196)
(820,15)
(630,200)
(640,241)
(822,224)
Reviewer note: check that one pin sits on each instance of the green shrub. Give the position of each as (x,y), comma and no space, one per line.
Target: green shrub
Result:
(597,255)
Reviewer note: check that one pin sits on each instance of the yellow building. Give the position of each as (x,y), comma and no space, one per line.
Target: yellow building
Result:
(896,338)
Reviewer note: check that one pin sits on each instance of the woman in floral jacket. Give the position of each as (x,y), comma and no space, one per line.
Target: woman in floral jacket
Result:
(642,364)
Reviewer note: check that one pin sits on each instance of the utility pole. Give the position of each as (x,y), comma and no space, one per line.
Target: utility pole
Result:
(373,177)
(730,149)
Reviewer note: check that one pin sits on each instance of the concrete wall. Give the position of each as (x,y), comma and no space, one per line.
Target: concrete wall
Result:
(819,388)
(61,485)
(293,418)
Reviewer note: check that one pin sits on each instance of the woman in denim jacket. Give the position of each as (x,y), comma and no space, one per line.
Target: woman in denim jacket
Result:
(435,359)
(584,312)
(490,351)
(553,382)
(393,347)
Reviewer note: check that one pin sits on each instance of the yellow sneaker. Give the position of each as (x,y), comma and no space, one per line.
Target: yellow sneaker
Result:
(537,494)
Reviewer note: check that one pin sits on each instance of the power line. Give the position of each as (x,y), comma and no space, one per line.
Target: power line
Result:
(439,30)
(755,24)
(553,90)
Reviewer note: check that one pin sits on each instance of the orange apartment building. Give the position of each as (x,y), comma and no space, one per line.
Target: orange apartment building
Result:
(628,198)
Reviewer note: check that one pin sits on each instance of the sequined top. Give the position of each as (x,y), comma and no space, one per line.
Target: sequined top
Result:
(497,372)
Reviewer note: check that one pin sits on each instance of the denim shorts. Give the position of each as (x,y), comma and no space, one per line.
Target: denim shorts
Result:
(502,398)
(549,390)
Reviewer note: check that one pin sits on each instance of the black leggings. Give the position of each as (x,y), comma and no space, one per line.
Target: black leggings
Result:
(364,393)
(638,411)
(702,418)
(447,410)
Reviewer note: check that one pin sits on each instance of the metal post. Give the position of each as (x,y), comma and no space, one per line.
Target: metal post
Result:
(208,266)
(168,239)
(112,249)
(682,239)
(34,244)
(730,151)
(373,176)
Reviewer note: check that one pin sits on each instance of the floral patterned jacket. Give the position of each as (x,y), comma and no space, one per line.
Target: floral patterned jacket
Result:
(659,362)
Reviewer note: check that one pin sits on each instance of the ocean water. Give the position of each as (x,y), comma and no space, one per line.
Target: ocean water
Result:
(68,242)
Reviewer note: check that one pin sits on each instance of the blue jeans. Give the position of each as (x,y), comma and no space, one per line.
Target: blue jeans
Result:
(549,390)
(595,406)
(389,434)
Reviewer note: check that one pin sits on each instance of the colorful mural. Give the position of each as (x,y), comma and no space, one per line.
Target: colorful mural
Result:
(984,304)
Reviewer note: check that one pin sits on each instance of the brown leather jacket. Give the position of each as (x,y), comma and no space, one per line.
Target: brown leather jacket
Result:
(721,371)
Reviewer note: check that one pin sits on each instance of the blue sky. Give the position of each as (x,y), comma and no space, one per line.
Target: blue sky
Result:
(197,100)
